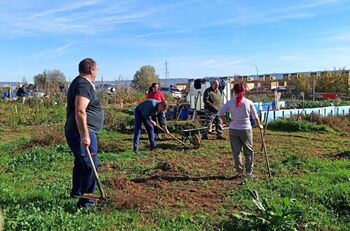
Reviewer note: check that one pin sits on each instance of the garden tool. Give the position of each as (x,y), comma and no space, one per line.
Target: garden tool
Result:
(265,152)
(102,193)
(265,125)
(172,136)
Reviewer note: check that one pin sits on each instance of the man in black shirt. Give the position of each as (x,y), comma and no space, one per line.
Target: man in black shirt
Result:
(84,120)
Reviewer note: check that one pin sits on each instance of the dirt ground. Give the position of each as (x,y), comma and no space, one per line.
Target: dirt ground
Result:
(202,182)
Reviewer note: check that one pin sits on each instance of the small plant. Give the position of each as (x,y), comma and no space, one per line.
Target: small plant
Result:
(267,217)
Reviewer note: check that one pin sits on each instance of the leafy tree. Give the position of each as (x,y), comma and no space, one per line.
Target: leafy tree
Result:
(333,81)
(144,77)
(304,84)
(50,80)
(40,81)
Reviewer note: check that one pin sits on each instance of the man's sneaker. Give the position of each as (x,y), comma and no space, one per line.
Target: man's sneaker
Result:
(238,176)
(247,178)
(75,195)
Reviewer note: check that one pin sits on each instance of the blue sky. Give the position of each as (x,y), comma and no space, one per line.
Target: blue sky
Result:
(198,38)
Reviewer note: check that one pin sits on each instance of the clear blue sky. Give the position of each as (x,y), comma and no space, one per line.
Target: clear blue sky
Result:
(198,38)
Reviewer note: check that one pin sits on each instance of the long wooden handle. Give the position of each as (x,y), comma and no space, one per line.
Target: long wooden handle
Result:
(265,125)
(265,152)
(103,195)
(172,136)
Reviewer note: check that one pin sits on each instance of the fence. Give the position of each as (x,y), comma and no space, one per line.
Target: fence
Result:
(322,111)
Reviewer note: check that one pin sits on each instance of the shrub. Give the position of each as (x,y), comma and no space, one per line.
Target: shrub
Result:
(290,125)
(118,120)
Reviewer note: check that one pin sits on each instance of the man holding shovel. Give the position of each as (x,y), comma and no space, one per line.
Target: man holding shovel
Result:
(241,134)
(143,115)
(84,120)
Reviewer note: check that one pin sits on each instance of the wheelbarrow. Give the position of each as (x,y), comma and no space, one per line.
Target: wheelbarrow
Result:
(193,136)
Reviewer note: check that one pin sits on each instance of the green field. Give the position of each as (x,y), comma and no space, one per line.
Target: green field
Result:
(171,189)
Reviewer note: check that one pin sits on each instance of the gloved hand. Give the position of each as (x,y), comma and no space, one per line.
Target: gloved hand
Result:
(261,127)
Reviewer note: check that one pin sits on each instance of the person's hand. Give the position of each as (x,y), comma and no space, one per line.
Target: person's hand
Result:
(261,127)
(85,141)
(153,123)
(166,131)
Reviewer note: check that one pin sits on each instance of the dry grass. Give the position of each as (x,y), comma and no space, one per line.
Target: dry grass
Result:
(46,135)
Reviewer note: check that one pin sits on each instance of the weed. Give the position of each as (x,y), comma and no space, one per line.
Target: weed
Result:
(267,217)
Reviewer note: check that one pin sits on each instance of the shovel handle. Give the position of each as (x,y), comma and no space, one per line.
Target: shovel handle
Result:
(103,195)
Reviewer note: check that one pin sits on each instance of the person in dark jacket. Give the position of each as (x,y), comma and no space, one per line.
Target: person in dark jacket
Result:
(212,98)
(84,120)
(143,115)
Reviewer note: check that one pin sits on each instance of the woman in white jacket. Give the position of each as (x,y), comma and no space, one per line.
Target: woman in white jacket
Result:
(241,134)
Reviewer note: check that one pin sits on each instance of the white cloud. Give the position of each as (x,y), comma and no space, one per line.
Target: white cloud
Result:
(55,52)
(219,63)
(76,17)
(261,14)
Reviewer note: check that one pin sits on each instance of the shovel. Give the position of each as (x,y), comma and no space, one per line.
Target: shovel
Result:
(102,193)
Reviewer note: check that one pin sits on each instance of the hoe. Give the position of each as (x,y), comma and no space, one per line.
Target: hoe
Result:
(102,193)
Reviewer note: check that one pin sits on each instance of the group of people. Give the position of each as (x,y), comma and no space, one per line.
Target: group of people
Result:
(84,120)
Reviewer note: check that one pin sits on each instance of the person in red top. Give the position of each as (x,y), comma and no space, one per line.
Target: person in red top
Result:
(155,93)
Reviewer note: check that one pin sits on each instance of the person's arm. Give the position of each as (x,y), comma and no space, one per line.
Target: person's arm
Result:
(207,100)
(162,121)
(222,111)
(147,114)
(81,104)
(260,126)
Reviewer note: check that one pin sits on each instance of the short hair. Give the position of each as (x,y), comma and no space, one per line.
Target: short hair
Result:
(86,65)
(164,104)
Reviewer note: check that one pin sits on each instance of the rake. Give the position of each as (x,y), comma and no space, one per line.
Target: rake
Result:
(172,136)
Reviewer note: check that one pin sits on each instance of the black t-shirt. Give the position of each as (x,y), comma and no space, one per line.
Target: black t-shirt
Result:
(82,87)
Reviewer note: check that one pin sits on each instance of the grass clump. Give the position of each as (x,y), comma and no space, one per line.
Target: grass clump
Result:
(289,125)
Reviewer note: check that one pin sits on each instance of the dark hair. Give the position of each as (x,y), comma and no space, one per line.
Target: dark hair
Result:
(164,104)
(238,88)
(152,86)
(86,65)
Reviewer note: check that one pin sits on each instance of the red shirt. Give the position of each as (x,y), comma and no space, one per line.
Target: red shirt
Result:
(158,95)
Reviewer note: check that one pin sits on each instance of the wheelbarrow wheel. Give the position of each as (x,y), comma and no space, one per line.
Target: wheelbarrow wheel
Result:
(196,141)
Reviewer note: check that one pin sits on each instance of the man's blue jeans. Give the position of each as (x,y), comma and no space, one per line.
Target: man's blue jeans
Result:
(139,120)
(84,180)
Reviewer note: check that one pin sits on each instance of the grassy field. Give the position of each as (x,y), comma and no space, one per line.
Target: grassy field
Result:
(172,188)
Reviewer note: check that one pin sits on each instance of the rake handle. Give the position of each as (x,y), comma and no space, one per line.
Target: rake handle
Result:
(103,195)
(172,136)
(265,152)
